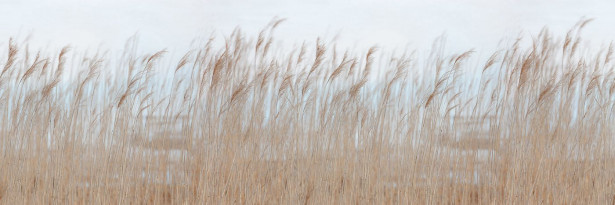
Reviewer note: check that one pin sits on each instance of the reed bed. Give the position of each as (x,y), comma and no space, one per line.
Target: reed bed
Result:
(240,120)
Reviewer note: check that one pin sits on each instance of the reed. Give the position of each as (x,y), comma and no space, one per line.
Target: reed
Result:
(241,121)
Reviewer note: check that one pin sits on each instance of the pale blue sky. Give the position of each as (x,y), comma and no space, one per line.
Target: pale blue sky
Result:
(173,24)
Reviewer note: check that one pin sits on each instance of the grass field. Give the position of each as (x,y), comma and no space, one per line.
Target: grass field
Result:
(243,121)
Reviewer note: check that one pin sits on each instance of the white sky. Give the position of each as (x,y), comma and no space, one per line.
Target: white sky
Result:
(172,24)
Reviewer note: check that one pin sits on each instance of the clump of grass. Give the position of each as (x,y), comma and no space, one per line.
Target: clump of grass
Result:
(246,122)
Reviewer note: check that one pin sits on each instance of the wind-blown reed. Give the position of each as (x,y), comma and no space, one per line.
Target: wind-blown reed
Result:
(246,122)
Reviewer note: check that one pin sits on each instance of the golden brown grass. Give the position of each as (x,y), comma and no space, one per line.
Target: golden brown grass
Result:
(244,122)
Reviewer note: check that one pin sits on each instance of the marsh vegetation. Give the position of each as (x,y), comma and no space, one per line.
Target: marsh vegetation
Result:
(239,120)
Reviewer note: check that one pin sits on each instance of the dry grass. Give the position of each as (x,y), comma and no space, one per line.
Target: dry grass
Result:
(244,122)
